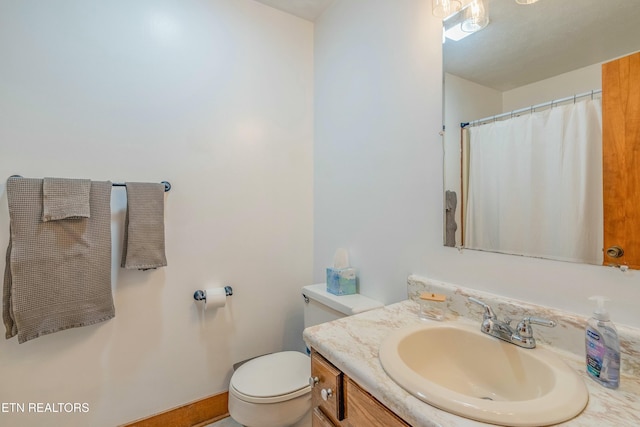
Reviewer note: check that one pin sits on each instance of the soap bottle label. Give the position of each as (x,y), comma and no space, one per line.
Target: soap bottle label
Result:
(595,353)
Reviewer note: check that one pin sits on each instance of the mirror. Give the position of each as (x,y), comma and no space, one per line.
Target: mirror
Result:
(526,56)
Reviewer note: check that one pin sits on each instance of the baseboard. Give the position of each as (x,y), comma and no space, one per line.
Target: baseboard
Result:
(194,414)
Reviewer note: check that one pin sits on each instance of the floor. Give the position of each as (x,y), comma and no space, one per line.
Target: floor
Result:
(227,422)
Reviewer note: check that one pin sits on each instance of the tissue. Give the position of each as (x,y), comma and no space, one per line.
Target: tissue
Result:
(341,258)
(341,278)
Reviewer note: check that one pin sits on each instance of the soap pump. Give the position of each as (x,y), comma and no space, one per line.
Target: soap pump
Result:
(602,346)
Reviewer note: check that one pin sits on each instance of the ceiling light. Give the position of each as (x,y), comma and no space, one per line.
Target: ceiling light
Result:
(444,8)
(476,16)
(455,33)
(473,17)
(526,1)
(452,26)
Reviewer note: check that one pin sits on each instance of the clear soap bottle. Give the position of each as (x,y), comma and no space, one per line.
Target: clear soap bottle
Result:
(602,347)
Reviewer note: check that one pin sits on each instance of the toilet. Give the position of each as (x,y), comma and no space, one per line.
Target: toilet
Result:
(273,390)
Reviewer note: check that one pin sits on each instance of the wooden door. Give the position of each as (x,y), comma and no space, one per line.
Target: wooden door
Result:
(621,160)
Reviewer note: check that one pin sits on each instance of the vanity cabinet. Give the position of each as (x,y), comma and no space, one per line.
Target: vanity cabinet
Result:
(348,404)
(319,419)
(365,410)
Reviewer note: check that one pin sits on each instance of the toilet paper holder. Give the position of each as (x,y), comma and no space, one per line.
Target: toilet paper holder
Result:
(201,295)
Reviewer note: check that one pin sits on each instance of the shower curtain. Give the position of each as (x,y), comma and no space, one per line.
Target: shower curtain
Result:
(535,184)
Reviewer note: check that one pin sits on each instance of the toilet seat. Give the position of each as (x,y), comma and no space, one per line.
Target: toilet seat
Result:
(272,378)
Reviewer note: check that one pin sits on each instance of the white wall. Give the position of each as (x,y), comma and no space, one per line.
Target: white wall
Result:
(378,168)
(464,101)
(215,96)
(574,82)
(377,118)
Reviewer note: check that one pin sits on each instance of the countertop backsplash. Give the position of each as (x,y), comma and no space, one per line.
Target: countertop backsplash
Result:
(568,335)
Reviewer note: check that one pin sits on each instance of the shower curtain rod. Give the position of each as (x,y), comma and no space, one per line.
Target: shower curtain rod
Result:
(531,109)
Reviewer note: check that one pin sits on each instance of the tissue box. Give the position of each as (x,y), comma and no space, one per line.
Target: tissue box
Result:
(341,281)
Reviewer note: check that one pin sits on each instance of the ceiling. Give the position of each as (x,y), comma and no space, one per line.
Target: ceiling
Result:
(306,9)
(523,44)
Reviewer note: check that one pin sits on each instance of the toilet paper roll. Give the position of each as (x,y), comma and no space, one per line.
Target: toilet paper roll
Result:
(215,298)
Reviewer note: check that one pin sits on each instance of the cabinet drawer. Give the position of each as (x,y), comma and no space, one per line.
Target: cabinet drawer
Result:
(320,420)
(328,390)
(366,411)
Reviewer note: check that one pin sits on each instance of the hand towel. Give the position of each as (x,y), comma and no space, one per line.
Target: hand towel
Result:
(65,198)
(143,246)
(58,274)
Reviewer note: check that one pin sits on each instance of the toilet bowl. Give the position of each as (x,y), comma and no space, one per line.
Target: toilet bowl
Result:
(273,390)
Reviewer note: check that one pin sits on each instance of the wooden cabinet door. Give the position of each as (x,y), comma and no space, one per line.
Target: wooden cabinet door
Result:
(327,393)
(365,411)
(621,159)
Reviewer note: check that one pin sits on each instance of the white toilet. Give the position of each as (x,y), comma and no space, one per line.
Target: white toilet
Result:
(273,390)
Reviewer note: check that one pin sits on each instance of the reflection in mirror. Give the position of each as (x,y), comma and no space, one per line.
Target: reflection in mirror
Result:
(526,170)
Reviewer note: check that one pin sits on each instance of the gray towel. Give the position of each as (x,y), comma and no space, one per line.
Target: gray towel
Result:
(58,273)
(64,198)
(143,246)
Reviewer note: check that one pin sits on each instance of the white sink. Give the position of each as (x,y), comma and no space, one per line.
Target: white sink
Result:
(459,369)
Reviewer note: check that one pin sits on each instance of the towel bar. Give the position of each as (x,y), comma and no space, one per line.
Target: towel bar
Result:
(167,184)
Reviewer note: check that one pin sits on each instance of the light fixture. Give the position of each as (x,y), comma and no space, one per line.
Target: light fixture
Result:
(475,16)
(454,33)
(452,27)
(526,1)
(444,8)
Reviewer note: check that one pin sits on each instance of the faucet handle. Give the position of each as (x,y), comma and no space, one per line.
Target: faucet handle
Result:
(524,327)
(488,311)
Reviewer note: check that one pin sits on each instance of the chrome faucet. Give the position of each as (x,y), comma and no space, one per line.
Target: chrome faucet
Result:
(521,336)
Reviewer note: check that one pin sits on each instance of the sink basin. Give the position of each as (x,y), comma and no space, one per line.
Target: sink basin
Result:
(459,369)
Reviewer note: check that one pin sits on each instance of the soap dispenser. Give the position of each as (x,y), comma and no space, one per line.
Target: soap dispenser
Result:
(602,347)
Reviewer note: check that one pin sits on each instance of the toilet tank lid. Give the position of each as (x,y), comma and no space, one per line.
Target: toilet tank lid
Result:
(273,375)
(346,304)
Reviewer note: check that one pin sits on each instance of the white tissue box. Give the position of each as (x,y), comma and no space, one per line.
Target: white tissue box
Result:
(341,281)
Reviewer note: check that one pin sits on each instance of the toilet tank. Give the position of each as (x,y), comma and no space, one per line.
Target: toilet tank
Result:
(321,306)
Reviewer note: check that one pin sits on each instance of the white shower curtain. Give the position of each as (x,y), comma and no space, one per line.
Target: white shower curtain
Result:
(535,184)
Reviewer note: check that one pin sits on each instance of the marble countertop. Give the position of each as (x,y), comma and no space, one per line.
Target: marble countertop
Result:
(352,343)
